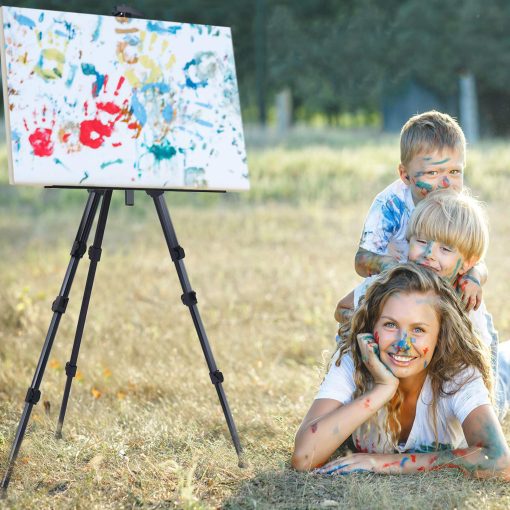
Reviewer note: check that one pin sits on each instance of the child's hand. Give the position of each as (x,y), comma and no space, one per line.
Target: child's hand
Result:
(470,290)
(370,356)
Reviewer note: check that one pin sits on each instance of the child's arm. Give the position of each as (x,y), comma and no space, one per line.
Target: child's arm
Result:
(367,263)
(329,423)
(345,308)
(470,285)
(487,455)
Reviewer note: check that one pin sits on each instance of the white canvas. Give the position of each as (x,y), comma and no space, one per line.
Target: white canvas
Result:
(99,101)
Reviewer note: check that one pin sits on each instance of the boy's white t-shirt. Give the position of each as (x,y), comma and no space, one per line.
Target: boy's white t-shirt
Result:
(452,410)
(385,227)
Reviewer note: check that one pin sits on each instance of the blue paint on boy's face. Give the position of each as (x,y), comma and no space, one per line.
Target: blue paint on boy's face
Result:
(445,260)
(440,169)
(442,162)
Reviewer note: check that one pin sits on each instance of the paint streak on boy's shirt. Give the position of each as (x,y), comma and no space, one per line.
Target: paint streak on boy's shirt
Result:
(385,227)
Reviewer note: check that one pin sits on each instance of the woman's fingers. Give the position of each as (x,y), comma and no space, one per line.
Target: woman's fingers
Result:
(335,465)
(370,355)
(364,339)
(357,463)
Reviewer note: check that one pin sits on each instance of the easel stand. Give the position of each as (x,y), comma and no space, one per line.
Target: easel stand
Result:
(59,307)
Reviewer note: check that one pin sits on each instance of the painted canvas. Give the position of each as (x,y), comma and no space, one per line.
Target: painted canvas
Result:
(99,101)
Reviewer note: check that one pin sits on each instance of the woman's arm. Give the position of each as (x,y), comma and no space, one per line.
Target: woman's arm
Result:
(328,423)
(487,455)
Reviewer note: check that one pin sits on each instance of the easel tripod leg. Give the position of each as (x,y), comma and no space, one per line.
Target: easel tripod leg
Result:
(189,299)
(58,307)
(94,256)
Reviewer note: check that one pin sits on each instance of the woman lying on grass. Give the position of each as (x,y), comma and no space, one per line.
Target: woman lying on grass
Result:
(411,384)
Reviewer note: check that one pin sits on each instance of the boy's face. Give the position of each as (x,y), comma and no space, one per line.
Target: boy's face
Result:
(445,260)
(433,170)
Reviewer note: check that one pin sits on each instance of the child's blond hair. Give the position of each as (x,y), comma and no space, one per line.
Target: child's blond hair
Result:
(430,131)
(456,219)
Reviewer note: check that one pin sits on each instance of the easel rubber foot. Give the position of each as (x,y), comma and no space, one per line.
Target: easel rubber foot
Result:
(58,432)
(243,463)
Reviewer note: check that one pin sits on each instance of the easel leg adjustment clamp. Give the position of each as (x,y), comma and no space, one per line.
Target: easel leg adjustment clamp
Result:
(216,377)
(60,304)
(33,396)
(95,254)
(177,253)
(190,298)
(71,369)
(78,250)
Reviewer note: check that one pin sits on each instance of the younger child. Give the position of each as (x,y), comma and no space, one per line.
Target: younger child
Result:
(432,155)
(411,383)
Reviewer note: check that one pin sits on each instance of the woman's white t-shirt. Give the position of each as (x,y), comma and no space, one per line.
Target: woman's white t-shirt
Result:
(452,410)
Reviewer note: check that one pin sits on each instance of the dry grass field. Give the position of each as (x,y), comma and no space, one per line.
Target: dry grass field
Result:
(144,428)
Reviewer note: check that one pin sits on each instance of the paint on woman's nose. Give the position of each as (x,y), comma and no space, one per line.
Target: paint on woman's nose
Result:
(404,344)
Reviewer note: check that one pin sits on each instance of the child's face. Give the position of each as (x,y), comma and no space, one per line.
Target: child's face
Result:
(433,170)
(407,332)
(445,260)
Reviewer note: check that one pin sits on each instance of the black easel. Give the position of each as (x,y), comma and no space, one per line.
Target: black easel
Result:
(59,307)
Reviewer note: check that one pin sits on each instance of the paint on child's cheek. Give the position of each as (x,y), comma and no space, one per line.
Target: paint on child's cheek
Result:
(424,187)
(445,183)
(425,364)
(428,249)
(455,270)
(425,350)
(376,337)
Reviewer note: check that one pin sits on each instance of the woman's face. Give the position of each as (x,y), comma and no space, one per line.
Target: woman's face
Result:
(407,332)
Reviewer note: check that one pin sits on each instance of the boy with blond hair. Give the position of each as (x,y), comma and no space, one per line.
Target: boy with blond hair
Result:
(432,157)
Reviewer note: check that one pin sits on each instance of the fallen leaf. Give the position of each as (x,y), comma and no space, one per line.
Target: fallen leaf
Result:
(55,364)
(95,392)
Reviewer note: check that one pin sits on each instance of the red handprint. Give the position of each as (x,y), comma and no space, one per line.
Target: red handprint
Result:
(93,132)
(41,138)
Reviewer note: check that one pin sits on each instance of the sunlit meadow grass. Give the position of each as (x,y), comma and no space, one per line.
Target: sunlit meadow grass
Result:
(144,428)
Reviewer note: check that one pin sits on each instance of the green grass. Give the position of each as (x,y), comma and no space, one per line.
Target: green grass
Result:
(144,428)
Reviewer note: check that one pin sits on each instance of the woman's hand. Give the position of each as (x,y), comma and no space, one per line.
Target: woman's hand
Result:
(370,355)
(360,463)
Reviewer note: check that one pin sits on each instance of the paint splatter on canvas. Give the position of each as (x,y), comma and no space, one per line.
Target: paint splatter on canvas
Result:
(115,102)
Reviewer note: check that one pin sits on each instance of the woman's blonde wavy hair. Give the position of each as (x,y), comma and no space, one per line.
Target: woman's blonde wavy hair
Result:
(458,347)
